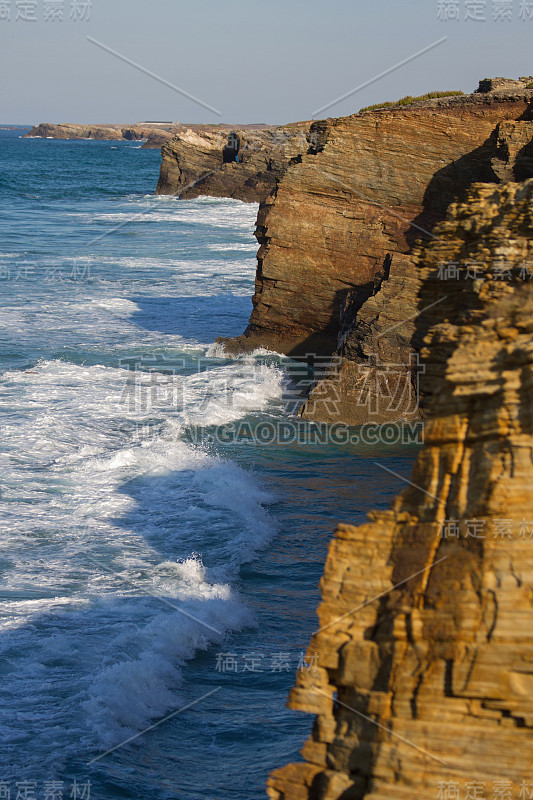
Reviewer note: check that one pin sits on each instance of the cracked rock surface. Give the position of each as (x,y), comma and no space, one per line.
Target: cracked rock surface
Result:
(432,681)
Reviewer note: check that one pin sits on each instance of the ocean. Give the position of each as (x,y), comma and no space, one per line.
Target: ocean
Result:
(159,580)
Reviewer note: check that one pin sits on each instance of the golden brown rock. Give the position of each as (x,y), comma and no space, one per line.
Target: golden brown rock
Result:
(379,376)
(426,625)
(374,183)
(244,163)
(377,379)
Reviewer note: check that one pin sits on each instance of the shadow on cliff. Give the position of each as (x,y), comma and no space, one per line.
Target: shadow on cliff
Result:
(523,167)
(406,556)
(344,307)
(447,185)
(360,760)
(450,184)
(449,301)
(320,343)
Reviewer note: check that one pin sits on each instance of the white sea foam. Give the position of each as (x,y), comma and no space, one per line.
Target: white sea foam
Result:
(118,304)
(122,543)
(223,248)
(161,208)
(134,538)
(216,350)
(142,685)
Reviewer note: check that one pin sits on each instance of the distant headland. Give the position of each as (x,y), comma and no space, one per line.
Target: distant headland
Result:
(152,134)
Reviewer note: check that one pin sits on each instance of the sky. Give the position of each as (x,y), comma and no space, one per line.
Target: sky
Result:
(272,61)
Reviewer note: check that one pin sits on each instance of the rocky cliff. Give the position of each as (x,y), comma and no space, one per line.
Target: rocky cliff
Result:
(244,163)
(154,135)
(425,681)
(370,185)
(379,343)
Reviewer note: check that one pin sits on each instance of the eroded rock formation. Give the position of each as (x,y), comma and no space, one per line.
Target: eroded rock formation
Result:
(425,680)
(376,376)
(371,186)
(379,375)
(244,163)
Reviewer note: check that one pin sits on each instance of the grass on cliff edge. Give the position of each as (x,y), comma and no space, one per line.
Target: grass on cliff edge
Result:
(409,100)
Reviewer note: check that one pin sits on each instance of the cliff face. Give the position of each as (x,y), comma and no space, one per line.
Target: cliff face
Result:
(243,163)
(425,686)
(379,376)
(371,185)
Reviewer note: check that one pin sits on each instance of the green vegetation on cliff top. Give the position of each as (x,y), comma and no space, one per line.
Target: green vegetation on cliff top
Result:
(408,100)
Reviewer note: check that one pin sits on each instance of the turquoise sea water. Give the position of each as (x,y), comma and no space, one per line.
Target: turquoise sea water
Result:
(145,570)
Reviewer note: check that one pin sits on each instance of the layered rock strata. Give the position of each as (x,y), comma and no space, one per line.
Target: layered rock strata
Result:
(372,184)
(425,648)
(376,375)
(244,163)
(378,379)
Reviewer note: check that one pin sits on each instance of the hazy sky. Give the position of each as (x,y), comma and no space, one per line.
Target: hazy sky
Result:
(254,60)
